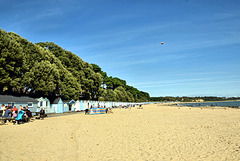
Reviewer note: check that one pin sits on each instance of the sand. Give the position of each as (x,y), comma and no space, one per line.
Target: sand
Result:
(153,133)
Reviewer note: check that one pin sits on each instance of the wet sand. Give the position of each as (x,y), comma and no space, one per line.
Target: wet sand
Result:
(152,133)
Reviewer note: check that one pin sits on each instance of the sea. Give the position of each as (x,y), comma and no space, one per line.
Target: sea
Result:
(235,104)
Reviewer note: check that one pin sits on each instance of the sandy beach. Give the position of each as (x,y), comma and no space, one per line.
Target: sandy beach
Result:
(152,133)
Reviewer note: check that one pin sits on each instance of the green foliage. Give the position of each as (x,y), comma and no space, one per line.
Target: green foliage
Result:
(96,68)
(121,94)
(89,80)
(107,95)
(46,69)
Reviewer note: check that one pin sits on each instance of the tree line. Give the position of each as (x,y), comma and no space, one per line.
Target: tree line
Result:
(192,99)
(45,69)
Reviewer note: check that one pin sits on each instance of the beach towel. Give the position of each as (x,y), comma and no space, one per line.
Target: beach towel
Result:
(20,115)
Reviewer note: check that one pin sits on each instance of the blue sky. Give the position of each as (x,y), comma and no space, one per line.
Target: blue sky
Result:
(200,55)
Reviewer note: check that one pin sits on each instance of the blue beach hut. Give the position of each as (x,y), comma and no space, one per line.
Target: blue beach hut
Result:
(71,105)
(77,106)
(81,105)
(85,105)
(57,105)
(68,105)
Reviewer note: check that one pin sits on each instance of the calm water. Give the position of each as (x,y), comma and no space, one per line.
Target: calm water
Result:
(224,104)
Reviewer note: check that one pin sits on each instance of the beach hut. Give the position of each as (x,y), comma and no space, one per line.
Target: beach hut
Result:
(45,103)
(107,104)
(81,106)
(68,105)
(85,105)
(57,105)
(101,103)
(72,104)
(17,101)
(110,104)
(91,103)
(77,105)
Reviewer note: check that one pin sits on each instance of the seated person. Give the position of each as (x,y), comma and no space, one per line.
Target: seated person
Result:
(42,113)
(14,114)
(28,112)
(107,109)
(10,106)
(86,111)
(25,111)
(14,109)
(110,110)
(7,113)
(20,115)
(3,107)
(25,114)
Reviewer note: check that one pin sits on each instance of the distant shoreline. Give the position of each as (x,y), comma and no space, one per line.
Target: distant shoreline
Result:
(212,104)
(193,102)
(212,101)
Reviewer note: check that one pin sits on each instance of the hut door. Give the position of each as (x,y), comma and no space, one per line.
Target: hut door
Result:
(70,107)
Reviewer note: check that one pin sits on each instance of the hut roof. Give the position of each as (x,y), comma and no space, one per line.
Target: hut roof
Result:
(56,101)
(9,98)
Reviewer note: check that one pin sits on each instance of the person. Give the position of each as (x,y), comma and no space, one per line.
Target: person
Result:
(42,113)
(7,113)
(110,110)
(107,109)
(14,114)
(86,111)
(28,112)
(20,115)
(24,110)
(14,109)
(10,106)
(3,107)
(38,110)
(25,114)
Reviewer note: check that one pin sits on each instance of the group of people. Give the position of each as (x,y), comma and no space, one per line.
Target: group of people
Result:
(18,114)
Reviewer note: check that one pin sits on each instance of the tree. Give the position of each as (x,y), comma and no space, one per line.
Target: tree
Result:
(46,69)
(89,80)
(12,63)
